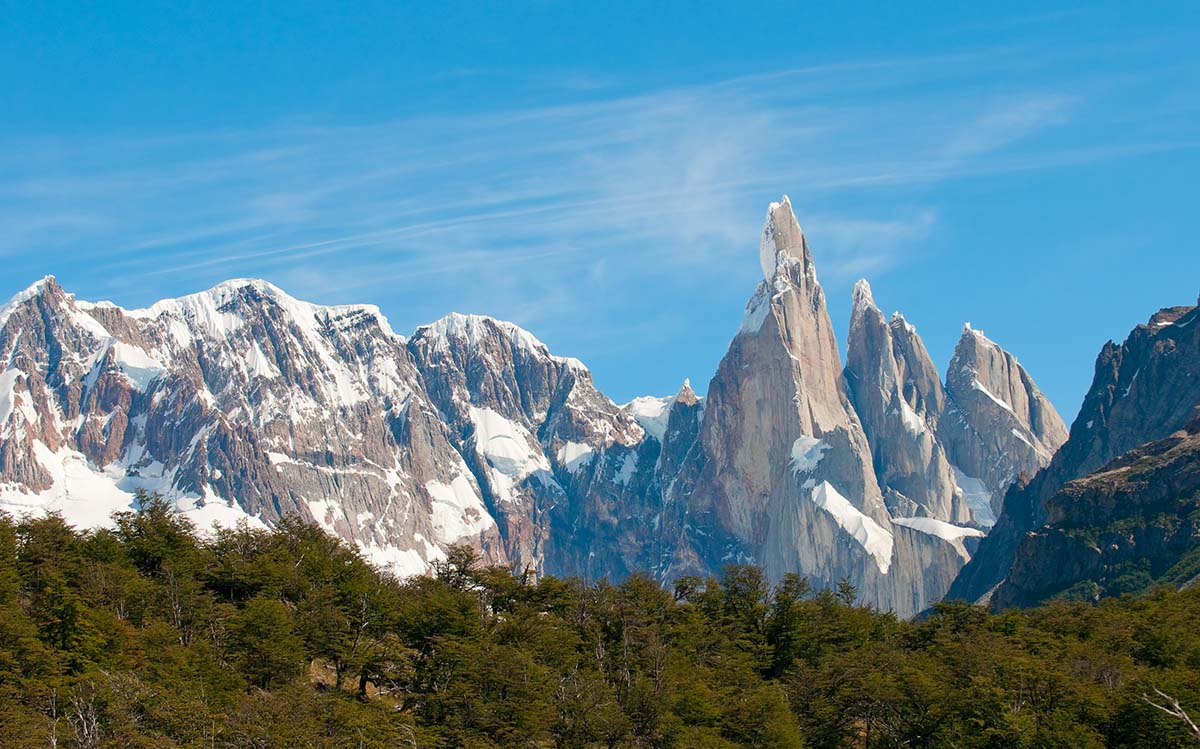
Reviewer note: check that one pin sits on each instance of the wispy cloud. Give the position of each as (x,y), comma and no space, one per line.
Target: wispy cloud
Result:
(585,208)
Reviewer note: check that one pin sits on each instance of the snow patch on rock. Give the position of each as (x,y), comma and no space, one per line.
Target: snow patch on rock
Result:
(651,413)
(870,535)
(951,534)
(457,511)
(806,454)
(505,444)
(575,456)
(977,497)
(976,384)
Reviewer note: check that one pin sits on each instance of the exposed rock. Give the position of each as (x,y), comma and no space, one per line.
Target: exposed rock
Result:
(899,399)
(1133,523)
(1143,390)
(783,473)
(998,427)
(243,404)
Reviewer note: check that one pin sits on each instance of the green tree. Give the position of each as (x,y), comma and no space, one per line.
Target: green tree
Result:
(265,644)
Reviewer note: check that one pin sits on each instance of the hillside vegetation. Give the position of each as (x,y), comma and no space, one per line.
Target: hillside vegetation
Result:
(150,635)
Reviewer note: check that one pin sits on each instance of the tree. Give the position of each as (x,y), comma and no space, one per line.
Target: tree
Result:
(265,644)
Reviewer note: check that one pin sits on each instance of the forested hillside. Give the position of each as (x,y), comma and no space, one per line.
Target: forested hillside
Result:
(149,635)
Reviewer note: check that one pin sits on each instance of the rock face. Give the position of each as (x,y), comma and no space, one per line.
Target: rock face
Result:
(239,402)
(242,403)
(1132,524)
(569,476)
(783,475)
(900,400)
(1143,390)
(998,426)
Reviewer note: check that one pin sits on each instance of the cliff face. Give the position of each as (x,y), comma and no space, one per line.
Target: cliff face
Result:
(1143,390)
(998,426)
(896,392)
(784,474)
(1133,523)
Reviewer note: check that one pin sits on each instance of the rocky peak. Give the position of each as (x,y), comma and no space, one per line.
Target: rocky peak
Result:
(686,395)
(472,359)
(923,385)
(998,426)
(980,366)
(782,242)
(895,391)
(861,300)
(782,472)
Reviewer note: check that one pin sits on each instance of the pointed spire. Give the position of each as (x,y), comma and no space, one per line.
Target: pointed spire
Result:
(782,238)
(686,395)
(862,293)
(862,299)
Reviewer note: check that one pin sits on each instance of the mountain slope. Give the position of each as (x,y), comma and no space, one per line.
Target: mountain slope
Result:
(897,394)
(1143,390)
(238,402)
(1134,522)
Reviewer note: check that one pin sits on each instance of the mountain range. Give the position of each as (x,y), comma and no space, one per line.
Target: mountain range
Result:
(243,404)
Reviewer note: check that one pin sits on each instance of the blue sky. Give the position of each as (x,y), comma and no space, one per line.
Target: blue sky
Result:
(598,173)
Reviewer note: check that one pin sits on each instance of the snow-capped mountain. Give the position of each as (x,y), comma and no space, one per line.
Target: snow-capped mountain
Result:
(242,402)
(945,451)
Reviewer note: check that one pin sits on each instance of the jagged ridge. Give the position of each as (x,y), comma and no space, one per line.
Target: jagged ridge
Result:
(242,402)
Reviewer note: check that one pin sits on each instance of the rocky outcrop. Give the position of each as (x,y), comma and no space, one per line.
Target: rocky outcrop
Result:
(896,392)
(998,427)
(1143,390)
(1131,524)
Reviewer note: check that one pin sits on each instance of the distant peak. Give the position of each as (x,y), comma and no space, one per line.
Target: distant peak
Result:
(35,289)
(898,321)
(258,284)
(686,395)
(861,296)
(213,301)
(973,344)
(970,333)
(782,239)
(221,293)
(473,329)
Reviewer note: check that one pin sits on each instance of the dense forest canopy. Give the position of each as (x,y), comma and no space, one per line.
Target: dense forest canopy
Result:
(152,635)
